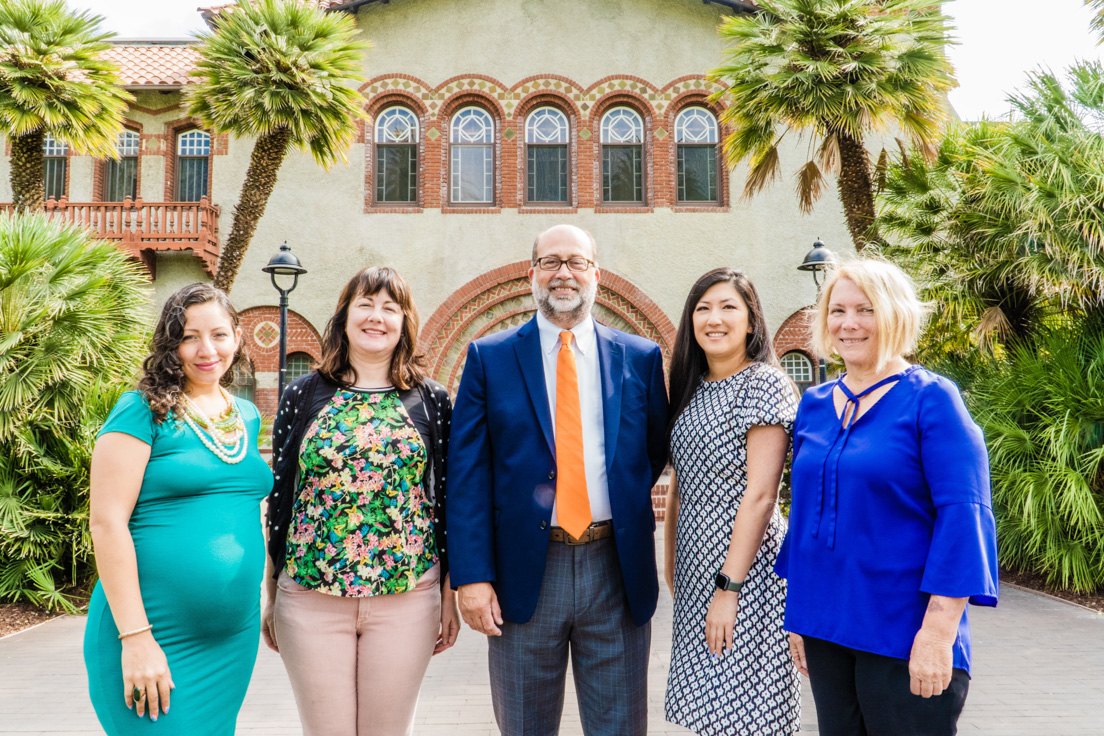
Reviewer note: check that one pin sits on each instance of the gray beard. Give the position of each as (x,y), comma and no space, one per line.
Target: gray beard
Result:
(575,310)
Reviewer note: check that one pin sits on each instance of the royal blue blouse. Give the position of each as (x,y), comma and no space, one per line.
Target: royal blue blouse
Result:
(886,513)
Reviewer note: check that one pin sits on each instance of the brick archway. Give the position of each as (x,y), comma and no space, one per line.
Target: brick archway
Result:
(261,334)
(796,334)
(502,298)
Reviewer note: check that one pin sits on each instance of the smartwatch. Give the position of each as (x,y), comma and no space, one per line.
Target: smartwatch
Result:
(723,583)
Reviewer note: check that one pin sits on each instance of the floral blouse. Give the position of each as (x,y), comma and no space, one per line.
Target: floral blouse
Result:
(362,523)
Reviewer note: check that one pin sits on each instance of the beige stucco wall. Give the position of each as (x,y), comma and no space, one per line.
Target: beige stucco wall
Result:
(581,39)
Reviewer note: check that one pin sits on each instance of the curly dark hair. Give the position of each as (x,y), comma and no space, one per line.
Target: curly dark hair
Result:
(162,381)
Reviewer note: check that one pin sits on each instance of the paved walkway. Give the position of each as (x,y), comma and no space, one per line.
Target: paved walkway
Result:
(1038,671)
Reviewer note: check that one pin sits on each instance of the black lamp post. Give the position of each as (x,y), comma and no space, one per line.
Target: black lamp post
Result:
(818,260)
(284,264)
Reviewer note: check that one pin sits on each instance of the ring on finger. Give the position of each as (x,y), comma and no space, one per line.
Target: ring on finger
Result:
(137,694)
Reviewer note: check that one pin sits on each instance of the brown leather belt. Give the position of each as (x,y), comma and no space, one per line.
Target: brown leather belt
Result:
(594,532)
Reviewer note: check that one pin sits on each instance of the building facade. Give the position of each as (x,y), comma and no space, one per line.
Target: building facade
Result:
(488,121)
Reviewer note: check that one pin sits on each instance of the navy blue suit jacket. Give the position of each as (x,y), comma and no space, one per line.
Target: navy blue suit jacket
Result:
(501,472)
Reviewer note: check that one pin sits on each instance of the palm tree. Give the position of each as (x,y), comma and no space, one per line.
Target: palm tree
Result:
(75,315)
(838,70)
(1003,228)
(52,81)
(278,70)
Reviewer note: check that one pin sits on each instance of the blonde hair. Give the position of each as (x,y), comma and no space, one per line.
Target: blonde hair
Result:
(898,312)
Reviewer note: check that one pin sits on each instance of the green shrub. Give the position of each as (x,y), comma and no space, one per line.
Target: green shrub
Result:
(1043,415)
(73,321)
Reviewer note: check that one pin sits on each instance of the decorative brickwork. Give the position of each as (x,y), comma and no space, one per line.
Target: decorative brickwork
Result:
(257,322)
(794,334)
(509,106)
(502,298)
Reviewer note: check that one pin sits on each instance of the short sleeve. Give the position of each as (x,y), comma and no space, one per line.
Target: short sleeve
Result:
(252,418)
(131,415)
(962,559)
(773,401)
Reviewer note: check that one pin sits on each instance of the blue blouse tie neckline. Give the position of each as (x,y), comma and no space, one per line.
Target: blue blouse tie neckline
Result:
(829,472)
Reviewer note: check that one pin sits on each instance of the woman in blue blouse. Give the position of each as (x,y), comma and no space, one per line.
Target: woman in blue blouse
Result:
(891,528)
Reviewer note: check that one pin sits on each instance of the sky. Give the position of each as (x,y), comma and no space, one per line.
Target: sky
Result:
(999,41)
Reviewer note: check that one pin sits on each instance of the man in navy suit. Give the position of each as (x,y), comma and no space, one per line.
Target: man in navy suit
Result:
(540,569)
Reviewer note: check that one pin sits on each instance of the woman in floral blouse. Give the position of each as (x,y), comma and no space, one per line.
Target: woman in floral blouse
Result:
(358,594)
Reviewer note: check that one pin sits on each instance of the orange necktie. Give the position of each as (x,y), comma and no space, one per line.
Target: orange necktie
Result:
(572,504)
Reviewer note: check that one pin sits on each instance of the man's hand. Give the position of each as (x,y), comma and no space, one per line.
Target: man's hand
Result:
(479,607)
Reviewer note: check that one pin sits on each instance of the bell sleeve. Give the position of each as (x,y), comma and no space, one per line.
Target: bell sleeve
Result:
(962,559)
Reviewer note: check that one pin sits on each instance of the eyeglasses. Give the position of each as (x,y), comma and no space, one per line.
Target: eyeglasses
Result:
(575,263)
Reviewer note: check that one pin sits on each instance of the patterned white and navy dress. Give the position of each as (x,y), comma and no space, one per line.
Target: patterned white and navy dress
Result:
(753,690)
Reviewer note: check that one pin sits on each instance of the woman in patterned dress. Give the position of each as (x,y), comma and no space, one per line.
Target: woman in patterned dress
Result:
(358,588)
(733,413)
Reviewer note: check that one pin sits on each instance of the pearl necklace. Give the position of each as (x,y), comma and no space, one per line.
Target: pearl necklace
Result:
(216,434)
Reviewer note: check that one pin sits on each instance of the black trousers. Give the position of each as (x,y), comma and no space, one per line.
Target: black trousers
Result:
(862,694)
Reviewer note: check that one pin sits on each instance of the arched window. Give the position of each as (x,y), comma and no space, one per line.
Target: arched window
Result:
(244,385)
(121,174)
(696,140)
(193,152)
(56,159)
(298,364)
(472,140)
(397,156)
(622,156)
(546,139)
(799,368)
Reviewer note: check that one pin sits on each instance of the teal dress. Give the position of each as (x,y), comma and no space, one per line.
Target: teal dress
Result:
(197,538)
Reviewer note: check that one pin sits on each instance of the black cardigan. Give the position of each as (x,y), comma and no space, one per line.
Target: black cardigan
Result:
(303,399)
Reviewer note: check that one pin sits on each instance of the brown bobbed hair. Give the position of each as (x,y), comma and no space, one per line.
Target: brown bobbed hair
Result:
(407,365)
(688,362)
(162,381)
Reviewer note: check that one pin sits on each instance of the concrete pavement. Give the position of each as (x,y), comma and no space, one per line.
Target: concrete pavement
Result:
(1038,671)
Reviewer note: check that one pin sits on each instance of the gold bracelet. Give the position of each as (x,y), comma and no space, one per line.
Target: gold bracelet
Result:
(147,627)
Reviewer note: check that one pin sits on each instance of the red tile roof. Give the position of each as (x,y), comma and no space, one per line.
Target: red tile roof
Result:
(154,64)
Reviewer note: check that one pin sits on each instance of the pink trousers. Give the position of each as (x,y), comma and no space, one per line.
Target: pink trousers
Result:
(356,664)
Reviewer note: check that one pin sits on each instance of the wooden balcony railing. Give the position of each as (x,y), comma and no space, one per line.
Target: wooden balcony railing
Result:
(142,228)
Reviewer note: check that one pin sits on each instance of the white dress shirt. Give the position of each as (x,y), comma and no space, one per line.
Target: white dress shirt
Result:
(585,346)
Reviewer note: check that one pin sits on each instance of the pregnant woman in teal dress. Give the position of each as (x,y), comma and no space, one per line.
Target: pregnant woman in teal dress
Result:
(175,517)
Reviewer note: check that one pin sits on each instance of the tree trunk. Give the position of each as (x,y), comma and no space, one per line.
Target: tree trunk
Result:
(260,179)
(28,175)
(856,190)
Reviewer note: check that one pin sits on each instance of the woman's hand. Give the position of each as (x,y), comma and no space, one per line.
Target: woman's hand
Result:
(930,664)
(268,626)
(145,668)
(797,651)
(720,620)
(450,619)
(932,656)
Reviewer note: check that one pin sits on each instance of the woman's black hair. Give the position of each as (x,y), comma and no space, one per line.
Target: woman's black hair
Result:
(688,363)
